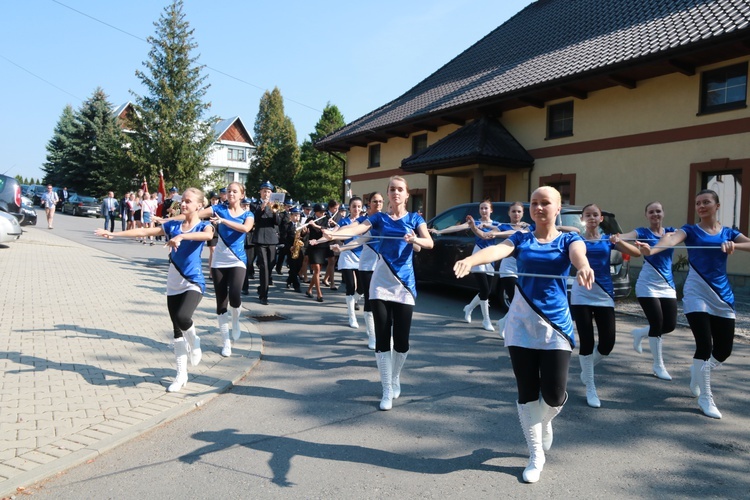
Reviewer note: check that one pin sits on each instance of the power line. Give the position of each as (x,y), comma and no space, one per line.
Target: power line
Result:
(207,66)
(40,78)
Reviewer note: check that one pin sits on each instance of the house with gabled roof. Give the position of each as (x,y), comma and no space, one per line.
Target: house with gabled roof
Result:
(615,102)
(232,151)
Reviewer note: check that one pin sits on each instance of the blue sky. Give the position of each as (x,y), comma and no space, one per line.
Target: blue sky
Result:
(356,55)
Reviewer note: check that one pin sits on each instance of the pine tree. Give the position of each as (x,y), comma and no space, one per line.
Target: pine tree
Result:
(60,147)
(321,176)
(171,133)
(277,155)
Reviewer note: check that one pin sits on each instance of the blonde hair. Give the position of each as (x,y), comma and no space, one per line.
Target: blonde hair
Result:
(555,193)
(239,185)
(198,194)
(399,178)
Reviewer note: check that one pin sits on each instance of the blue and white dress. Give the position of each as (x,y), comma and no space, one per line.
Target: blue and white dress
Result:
(369,255)
(655,279)
(393,277)
(185,272)
(230,249)
(707,286)
(481,243)
(508,267)
(349,259)
(539,316)
(602,293)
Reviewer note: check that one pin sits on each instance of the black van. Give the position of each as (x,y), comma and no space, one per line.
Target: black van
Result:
(436,265)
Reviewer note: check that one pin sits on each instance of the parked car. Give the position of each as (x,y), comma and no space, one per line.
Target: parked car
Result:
(10,197)
(82,205)
(10,229)
(436,265)
(29,213)
(35,193)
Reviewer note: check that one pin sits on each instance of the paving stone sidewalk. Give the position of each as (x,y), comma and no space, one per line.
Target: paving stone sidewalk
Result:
(85,355)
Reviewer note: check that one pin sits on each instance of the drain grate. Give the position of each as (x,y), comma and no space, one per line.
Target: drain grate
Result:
(267,317)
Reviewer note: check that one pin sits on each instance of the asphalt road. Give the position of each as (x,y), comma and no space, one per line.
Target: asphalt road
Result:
(305,423)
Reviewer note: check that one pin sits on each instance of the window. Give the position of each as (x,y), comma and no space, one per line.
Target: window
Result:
(235,154)
(243,179)
(418,143)
(724,89)
(560,120)
(728,185)
(229,177)
(374,156)
(565,183)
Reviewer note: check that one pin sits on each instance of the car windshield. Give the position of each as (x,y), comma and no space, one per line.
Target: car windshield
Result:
(608,226)
(86,199)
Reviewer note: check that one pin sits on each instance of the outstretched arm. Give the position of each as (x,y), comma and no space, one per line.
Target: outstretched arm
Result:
(667,241)
(484,256)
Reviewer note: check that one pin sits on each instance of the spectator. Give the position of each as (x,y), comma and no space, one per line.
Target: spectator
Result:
(49,200)
(109,209)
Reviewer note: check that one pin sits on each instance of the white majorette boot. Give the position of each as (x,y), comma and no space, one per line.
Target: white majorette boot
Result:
(467,309)
(236,330)
(597,356)
(397,359)
(695,377)
(501,326)
(370,326)
(350,301)
(226,350)
(638,335)
(587,377)
(660,371)
(180,356)
(193,345)
(529,415)
(484,305)
(385,366)
(549,413)
(706,399)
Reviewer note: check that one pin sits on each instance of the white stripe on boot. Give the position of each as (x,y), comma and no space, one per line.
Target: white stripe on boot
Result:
(484,305)
(469,308)
(350,301)
(587,377)
(398,359)
(660,371)
(180,356)
(385,367)
(529,415)
(548,414)
(370,326)
(193,345)
(706,399)
(236,330)
(638,335)
(226,350)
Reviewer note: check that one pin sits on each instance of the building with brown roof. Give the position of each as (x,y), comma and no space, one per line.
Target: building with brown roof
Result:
(617,102)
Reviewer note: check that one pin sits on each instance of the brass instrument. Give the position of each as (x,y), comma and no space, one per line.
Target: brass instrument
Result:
(296,245)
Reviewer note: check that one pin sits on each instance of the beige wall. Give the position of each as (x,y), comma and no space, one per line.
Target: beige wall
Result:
(620,180)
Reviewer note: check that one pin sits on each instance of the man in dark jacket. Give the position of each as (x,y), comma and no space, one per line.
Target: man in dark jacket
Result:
(266,238)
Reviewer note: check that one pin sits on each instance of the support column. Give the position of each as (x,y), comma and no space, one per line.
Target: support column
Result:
(431,197)
(478,185)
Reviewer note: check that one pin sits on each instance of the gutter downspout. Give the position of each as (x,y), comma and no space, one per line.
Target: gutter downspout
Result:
(343,174)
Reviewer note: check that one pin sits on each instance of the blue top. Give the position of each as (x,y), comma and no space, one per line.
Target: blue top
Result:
(186,260)
(481,242)
(541,313)
(661,263)
(598,255)
(394,271)
(231,242)
(345,222)
(708,270)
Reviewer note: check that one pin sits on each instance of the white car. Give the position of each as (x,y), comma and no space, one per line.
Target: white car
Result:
(10,229)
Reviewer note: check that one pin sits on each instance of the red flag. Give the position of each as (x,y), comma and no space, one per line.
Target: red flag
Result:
(162,190)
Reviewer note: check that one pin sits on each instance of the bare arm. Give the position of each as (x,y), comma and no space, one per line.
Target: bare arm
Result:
(584,274)
(484,256)
(424,240)
(667,241)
